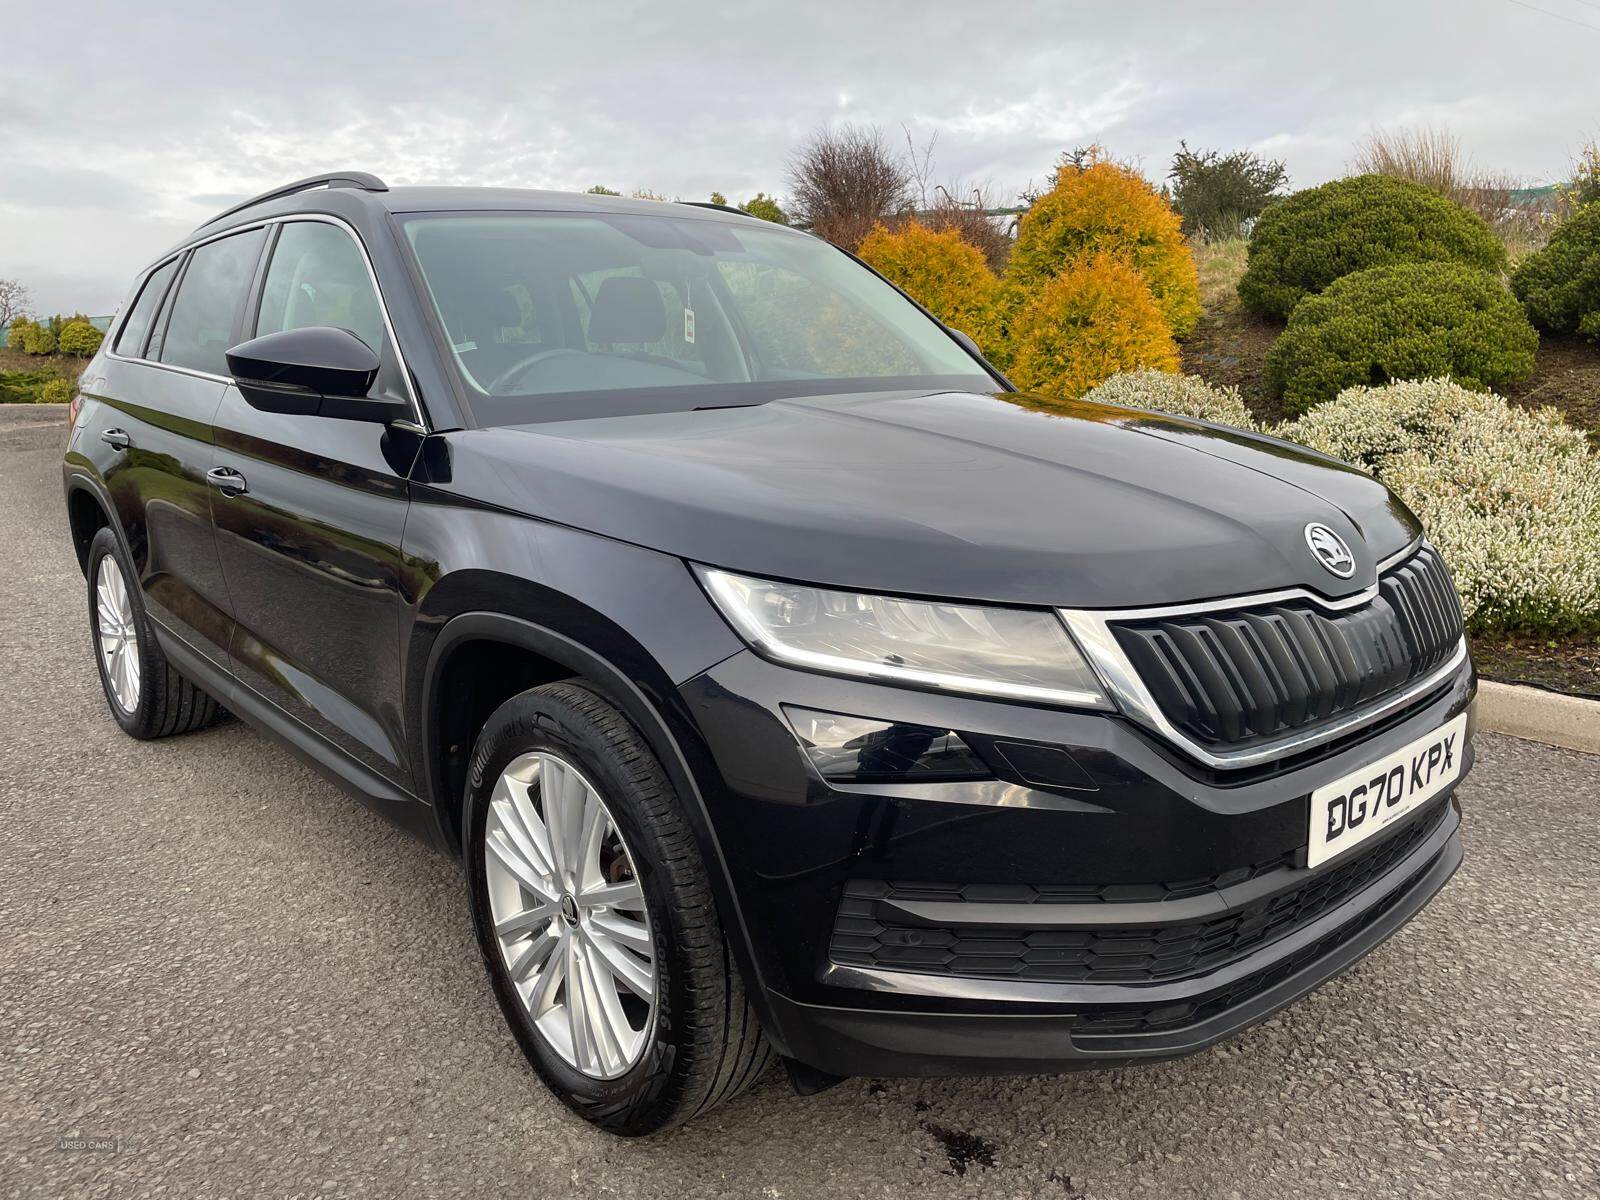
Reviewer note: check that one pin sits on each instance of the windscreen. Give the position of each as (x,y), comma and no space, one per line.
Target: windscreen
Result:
(555,316)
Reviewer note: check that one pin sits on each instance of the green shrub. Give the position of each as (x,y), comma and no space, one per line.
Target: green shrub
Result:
(1560,285)
(1414,321)
(1217,194)
(17,334)
(1304,243)
(1181,395)
(1101,208)
(56,391)
(764,206)
(939,271)
(38,339)
(1084,326)
(79,339)
(24,388)
(1511,497)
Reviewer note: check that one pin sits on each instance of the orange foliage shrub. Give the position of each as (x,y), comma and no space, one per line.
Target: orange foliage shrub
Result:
(1089,322)
(1099,208)
(940,271)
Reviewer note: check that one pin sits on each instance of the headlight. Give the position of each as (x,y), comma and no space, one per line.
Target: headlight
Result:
(1015,653)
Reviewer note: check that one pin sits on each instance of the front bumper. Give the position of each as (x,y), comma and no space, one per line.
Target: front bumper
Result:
(1164,969)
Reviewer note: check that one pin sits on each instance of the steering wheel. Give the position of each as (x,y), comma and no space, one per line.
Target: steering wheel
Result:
(519,368)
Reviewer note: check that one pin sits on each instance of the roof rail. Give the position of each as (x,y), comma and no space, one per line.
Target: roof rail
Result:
(350,179)
(718,207)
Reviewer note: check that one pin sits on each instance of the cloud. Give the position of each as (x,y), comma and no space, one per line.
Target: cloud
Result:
(153,117)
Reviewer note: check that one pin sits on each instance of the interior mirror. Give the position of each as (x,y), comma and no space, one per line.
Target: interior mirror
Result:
(314,371)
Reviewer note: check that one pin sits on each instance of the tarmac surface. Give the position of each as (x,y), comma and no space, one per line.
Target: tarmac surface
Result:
(245,984)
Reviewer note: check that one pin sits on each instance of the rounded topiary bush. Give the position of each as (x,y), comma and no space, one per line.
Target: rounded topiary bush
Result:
(79,339)
(1560,285)
(1511,497)
(1301,245)
(940,271)
(1084,326)
(1407,322)
(1101,208)
(1181,395)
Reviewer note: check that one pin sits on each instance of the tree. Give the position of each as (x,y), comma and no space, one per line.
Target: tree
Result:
(1584,186)
(13,300)
(845,180)
(601,189)
(719,198)
(766,207)
(1217,194)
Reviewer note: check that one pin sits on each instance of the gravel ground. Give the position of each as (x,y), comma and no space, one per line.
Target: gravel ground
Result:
(260,989)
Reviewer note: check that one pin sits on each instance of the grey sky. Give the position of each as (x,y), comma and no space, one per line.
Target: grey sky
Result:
(123,126)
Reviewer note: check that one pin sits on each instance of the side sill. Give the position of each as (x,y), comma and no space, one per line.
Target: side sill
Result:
(349,776)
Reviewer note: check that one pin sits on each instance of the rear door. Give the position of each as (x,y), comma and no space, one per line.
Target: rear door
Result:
(153,440)
(310,547)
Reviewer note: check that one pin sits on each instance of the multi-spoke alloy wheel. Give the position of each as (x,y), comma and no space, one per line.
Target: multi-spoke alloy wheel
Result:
(146,694)
(596,917)
(569,915)
(119,642)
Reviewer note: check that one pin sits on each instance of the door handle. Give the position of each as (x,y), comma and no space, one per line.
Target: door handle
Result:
(226,480)
(117,439)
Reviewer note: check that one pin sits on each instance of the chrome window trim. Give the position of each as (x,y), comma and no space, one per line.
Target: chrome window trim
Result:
(1091,629)
(421,422)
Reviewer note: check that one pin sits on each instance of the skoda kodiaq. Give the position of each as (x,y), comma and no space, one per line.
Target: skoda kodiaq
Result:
(786,684)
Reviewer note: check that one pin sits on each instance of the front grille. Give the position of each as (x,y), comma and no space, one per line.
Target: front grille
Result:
(1239,678)
(866,935)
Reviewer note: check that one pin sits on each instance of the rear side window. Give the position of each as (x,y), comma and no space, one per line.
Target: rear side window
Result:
(210,294)
(318,277)
(130,338)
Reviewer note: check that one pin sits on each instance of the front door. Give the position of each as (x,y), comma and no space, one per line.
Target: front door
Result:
(309,520)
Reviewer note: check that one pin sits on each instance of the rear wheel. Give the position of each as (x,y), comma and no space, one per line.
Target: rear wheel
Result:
(147,696)
(595,917)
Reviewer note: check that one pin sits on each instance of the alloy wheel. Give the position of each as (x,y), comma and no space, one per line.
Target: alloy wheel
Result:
(114,629)
(569,915)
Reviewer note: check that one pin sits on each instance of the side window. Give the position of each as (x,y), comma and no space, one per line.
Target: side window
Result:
(210,293)
(130,338)
(318,277)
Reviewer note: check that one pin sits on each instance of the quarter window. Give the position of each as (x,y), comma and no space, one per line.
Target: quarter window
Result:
(130,338)
(210,294)
(318,277)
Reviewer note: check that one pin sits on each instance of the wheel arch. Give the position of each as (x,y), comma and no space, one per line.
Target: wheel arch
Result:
(88,512)
(625,675)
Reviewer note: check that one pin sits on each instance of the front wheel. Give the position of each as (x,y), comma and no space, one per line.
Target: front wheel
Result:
(596,920)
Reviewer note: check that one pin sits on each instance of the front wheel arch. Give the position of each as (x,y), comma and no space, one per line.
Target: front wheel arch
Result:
(577,661)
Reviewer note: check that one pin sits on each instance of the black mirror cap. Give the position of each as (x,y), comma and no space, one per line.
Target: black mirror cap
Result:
(314,371)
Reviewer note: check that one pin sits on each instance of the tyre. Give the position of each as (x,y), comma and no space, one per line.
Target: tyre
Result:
(147,696)
(596,920)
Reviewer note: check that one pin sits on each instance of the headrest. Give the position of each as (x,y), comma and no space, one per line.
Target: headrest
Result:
(627,309)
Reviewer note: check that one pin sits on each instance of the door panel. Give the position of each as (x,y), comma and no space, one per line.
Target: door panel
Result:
(158,485)
(311,553)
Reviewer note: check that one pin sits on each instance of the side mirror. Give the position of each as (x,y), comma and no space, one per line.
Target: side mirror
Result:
(314,371)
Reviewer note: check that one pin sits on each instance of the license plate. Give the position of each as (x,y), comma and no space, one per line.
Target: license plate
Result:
(1352,809)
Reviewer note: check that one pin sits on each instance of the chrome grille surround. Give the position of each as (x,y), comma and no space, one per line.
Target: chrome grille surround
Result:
(1095,633)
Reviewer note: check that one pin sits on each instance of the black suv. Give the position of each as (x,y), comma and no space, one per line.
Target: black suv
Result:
(785,683)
